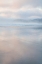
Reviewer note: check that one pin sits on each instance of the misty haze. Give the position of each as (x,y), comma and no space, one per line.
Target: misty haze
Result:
(20,31)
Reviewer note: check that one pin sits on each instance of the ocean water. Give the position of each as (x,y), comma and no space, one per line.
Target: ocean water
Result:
(20,42)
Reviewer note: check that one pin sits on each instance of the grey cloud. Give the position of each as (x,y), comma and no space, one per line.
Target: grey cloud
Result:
(29,13)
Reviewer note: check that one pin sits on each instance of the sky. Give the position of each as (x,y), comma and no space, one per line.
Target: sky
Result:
(21,9)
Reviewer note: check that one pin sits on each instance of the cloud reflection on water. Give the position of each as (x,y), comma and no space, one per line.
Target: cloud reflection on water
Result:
(20,45)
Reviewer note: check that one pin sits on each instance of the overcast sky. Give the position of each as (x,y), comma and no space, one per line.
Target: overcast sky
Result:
(21,9)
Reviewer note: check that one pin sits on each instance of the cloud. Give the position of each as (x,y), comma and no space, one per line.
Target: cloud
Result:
(22,13)
(21,9)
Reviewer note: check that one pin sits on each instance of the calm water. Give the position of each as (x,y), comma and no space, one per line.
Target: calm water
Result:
(20,42)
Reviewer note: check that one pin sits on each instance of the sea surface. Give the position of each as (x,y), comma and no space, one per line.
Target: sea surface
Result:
(20,42)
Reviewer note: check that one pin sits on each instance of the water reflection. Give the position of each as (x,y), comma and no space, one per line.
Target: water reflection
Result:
(21,44)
